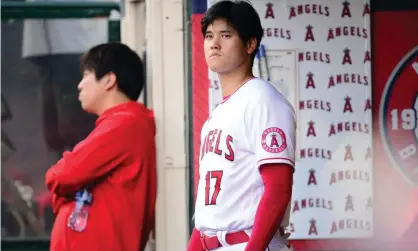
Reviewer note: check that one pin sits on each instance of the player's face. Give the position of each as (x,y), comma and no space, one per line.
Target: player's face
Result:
(224,49)
(91,92)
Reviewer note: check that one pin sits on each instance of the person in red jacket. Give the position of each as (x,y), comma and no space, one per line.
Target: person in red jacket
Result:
(104,190)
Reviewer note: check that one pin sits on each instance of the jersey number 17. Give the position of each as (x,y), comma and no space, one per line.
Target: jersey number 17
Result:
(217,175)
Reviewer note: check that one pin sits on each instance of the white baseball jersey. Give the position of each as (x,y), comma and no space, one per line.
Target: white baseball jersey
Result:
(256,125)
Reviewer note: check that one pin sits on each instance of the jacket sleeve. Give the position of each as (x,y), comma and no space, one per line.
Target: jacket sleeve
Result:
(101,152)
(58,201)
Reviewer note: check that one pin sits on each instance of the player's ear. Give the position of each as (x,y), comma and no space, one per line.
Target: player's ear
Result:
(109,81)
(251,45)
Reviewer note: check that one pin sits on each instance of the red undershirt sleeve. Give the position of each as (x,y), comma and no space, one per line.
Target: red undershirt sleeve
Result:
(277,179)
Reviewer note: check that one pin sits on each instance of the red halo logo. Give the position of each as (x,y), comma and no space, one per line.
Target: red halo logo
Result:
(273,140)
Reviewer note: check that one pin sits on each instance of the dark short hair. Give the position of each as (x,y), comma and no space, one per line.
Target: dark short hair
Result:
(241,15)
(120,60)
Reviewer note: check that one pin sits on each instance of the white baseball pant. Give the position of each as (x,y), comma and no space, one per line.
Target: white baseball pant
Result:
(277,244)
(241,247)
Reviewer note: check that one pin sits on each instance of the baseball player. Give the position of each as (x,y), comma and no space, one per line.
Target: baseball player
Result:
(247,151)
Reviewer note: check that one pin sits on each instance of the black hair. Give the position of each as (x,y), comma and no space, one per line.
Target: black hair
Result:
(120,60)
(241,15)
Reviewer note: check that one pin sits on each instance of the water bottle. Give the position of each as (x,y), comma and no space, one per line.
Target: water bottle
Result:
(78,218)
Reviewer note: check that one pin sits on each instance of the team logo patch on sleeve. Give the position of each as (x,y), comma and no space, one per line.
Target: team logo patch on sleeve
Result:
(273,140)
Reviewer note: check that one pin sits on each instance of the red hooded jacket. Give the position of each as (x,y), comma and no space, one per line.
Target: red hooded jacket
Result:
(118,162)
